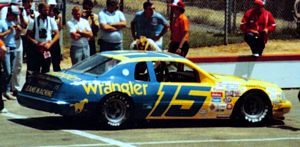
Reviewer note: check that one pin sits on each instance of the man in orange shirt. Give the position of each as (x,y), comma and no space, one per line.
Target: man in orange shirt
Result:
(179,30)
(2,82)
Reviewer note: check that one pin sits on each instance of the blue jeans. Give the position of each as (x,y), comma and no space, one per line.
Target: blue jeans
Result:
(78,54)
(8,66)
(107,46)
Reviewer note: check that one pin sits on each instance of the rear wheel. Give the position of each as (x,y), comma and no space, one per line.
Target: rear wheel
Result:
(116,111)
(254,108)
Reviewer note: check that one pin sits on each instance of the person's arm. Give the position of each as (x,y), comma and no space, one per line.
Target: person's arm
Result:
(165,28)
(24,19)
(122,23)
(95,24)
(2,50)
(107,27)
(87,31)
(119,25)
(271,25)
(132,28)
(30,32)
(162,33)
(5,33)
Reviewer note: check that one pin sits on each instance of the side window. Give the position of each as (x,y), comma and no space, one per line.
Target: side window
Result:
(141,72)
(175,72)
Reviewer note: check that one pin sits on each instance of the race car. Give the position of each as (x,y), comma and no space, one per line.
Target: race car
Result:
(118,87)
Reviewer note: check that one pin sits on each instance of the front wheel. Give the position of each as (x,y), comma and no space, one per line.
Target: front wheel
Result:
(116,111)
(254,108)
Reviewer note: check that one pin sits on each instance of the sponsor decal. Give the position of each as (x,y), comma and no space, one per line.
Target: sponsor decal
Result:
(232,93)
(106,88)
(203,112)
(221,107)
(212,107)
(227,100)
(216,94)
(229,106)
(80,105)
(216,99)
(39,91)
(223,116)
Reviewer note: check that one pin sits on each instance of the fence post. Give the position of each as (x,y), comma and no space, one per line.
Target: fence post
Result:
(226,22)
(234,17)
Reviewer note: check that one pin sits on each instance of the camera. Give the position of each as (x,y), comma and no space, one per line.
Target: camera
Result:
(43,33)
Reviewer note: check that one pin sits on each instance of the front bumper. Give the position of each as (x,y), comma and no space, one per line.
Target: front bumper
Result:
(281,108)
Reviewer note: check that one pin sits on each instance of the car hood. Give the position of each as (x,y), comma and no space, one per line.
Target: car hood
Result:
(242,81)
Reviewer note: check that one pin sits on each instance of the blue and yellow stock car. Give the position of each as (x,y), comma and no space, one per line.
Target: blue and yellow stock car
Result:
(120,86)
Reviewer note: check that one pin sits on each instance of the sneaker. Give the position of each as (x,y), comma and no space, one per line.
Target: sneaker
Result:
(3,110)
(256,55)
(8,96)
(3,98)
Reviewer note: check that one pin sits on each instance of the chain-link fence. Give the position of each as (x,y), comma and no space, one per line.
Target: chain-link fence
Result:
(208,25)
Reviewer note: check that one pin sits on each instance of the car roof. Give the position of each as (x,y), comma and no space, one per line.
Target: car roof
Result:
(134,55)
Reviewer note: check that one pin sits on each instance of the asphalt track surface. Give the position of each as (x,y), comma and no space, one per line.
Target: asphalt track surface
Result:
(30,128)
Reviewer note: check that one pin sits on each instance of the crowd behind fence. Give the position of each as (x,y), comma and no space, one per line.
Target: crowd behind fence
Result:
(211,25)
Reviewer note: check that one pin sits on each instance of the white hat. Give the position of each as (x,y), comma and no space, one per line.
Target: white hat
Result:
(51,2)
(14,10)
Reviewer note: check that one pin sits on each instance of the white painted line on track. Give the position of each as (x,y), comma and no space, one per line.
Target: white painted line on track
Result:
(79,133)
(112,142)
(99,138)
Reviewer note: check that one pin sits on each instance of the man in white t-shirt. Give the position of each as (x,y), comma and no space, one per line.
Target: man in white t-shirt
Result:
(80,32)
(111,21)
(39,32)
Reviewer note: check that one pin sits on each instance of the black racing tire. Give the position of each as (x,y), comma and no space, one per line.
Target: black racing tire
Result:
(297,9)
(116,111)
(254,108)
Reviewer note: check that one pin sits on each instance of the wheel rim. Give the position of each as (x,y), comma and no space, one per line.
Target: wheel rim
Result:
(254,109)
(115,111)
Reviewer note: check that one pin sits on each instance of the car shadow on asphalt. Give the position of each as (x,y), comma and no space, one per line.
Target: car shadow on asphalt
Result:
(65,123)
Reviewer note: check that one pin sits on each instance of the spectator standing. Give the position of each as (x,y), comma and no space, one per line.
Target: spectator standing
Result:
(16,73)
(111,21)
(55,48)
(10,31)
(39,33)
(80,32)
(28,14)
(88,14)
(179,30)
(150,24)
(256,23)
(2,54)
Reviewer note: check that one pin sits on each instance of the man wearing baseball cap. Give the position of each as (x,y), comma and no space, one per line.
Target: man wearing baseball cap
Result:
(256,24)
(179,29)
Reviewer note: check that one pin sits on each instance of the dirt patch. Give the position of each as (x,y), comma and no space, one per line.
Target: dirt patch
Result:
(272,47)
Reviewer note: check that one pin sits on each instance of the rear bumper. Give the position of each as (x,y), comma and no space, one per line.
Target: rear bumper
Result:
(281,108)
(51,105)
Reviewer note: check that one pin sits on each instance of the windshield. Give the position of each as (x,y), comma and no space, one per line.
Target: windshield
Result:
(95,65)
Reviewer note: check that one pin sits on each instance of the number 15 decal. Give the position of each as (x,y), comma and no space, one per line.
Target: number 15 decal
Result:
(178,101)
